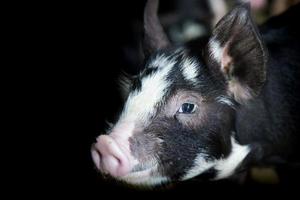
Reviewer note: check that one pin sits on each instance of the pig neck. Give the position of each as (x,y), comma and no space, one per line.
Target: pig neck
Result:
(269,123)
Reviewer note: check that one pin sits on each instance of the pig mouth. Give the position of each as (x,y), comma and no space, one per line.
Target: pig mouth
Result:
(144,175)
(141,171)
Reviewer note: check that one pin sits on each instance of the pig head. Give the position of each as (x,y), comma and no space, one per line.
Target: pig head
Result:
(178,120)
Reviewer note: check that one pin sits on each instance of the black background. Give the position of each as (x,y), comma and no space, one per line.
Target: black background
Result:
(79,56)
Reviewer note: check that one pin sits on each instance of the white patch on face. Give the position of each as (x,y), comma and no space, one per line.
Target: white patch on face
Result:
(161,61)
(141,104)
(190,70)
(200,165)
(227,166)
(225,100)
(216,51)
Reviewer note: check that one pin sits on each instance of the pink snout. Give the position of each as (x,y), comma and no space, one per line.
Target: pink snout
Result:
(109,157)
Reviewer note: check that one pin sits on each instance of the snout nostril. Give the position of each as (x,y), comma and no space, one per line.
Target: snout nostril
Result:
(96,156)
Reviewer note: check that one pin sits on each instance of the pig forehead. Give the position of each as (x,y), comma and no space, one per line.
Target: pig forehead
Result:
(156,81)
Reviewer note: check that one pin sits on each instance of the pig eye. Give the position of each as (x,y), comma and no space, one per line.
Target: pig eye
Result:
(187,108)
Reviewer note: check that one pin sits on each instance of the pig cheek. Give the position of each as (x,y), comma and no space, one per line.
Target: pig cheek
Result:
(178,153)
(144,146)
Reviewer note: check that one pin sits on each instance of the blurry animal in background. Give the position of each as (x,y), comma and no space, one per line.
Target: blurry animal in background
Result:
(209,110)
(193,21)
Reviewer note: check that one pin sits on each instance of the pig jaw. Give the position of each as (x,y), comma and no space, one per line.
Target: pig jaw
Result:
(146,177)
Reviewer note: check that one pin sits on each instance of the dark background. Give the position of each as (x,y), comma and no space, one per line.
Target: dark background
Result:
(81,64)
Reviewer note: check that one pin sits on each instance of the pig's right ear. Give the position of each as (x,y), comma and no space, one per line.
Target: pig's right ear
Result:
(154,35)
(236,54)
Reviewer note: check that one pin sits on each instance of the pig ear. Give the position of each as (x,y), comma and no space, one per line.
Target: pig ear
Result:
(154,35)
(237,54)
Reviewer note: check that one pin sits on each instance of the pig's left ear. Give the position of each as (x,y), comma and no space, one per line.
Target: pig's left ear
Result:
(235,51)
(154,36)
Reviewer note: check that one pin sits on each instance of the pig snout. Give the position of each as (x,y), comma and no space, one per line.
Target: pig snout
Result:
(109,158)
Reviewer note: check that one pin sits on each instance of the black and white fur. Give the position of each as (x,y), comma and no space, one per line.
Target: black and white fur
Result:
(244,83)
